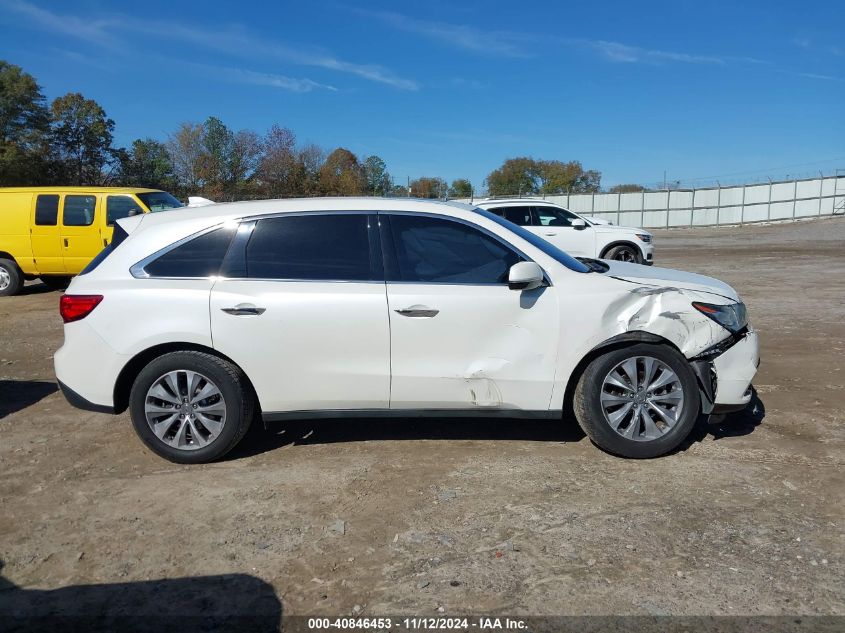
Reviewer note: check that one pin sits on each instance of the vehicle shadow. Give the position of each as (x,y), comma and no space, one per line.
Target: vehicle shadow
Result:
(19,394)
(304,432)
(734,424)
(37,288)
(227,602)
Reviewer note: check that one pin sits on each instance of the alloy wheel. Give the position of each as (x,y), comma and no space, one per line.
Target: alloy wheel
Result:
(642,398)
(185,409)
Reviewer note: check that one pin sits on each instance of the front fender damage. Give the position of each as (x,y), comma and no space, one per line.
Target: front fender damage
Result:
(667,313)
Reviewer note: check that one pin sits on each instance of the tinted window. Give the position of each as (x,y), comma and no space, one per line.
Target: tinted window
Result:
(199,257)
(119,207)
(159,201)
(552,216)
(79,210)
(314,247)
(46,210)
(437,250)
(520,216)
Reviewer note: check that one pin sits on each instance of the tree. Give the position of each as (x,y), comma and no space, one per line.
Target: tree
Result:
(628,188)
(81,138)
(375,176)
(147,164)
(460,188)
(185,147)
(278,169)
(426,187)
(516,176)
(24,128)
(217,143)
(242,162)
(341,174)
(309,161)
(526,176)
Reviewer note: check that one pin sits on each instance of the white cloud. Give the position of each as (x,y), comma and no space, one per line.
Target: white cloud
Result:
(231,41)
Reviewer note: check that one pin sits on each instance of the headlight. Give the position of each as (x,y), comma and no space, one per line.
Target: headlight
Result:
(645,237)
(733,317)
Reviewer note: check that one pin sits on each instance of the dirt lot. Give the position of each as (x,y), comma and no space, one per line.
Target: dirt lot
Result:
(474,517)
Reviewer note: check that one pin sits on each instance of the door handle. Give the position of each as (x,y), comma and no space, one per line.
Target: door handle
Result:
(66,244)
(244,310)
(551,234)
(418,311)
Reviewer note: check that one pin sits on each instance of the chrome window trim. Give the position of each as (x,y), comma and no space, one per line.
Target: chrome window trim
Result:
(138,271)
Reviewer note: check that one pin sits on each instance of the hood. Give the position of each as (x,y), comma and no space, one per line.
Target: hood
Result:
(612,228)
(669,277)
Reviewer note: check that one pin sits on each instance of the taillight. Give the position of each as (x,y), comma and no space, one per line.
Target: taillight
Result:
(76,307)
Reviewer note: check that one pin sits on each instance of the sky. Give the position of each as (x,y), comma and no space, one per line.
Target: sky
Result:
(703,91)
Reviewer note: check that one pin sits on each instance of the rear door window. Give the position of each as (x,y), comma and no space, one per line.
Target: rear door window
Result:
(519,215)
(320,247)
(47,210)
(79,210)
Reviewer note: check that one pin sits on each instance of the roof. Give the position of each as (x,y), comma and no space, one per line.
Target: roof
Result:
(496,201)
(76,189)
(235,210)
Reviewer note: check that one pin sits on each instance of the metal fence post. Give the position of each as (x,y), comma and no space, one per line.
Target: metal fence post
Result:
(619,209)
(742,208)
(593,203)
(668,200)
(718,202)
(794,197)
(769,206)
(692,208)
(821,191)
(642,209)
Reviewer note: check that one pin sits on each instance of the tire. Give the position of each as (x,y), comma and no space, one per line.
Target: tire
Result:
(599,403)
(11,278)
(208,435)
(625,253)
(56,282)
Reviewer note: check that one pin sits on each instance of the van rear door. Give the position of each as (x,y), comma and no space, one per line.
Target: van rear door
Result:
(80,230)
(45,235)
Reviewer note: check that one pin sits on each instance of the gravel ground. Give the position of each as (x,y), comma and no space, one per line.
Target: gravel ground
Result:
(433,517)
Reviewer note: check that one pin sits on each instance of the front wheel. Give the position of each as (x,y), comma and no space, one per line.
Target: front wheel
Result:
(639,401)
(624,253)
(190,407)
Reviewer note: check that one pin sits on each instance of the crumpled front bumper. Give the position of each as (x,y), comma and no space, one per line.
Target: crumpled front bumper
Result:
(735,368)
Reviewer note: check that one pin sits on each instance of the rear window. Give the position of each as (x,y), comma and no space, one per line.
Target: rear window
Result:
(117,237)
(197,258)
(159,201)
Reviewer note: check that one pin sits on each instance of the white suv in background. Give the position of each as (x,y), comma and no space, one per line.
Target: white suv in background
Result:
(574,234)
(197,319)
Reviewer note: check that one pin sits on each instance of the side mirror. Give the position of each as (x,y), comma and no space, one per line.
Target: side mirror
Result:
(578,225)
(525,276)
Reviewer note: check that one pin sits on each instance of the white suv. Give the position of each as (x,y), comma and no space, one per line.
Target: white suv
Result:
(198,319)
(577,235)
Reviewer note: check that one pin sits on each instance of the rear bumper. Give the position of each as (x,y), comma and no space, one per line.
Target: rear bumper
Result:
(81,403)
(735,369)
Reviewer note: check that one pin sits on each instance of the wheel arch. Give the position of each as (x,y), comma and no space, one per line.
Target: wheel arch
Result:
(130,371)
(616,243)
(10,257)
(626,339)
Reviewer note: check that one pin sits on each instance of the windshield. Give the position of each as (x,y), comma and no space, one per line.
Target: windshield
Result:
(535,240)
(159,201)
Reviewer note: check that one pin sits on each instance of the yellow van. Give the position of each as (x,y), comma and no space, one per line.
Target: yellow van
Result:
(53,232)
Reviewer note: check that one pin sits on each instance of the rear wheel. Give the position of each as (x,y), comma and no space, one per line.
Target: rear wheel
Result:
(639,401)
(624,253)
(11,278)
(56,282)
(190,407)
